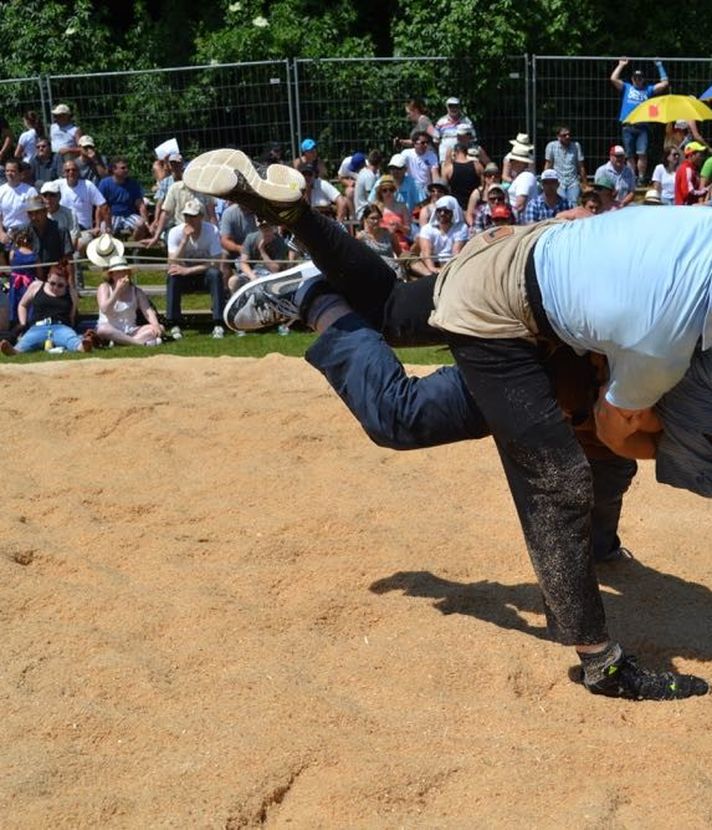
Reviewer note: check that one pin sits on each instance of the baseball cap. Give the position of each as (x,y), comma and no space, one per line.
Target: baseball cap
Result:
(177,157)
(501,211)
(550,176)
(495,186)
(61,109)
(453,101)
(638,72)
(51,187)
(397,160)
(86,141)
(616,150)
(681,125)
(308,144)
(694,147)
(492,167)
(604,180)
(357,162)
(35,203)
(463,129)
(193,208)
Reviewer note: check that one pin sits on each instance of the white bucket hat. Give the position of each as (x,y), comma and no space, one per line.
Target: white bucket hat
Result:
(522,138)
(522,152)
(101,249)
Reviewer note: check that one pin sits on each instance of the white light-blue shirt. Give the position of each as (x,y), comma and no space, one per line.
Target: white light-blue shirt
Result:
(634,285)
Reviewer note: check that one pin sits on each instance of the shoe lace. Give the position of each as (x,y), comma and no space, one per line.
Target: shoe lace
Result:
(643,684)
(271,308)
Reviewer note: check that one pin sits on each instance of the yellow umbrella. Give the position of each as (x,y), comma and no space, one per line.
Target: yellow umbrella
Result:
(666,108)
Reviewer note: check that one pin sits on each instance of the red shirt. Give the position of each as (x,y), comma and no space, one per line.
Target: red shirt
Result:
(687,185)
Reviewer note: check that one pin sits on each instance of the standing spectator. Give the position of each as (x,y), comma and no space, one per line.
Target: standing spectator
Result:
(26,148)
(235,226)
(64,133)
(63,216)
(124,196)
(483,214)
(310,155)
(636,137)
(46,165)
(463,171)
(523,187)
(566,157)
(688,189)
(522,139)
(365,180)
(13,201)
(623,177)
(422,163)
(447,127)
(681,133)
(548,203)
(417,114)
(664,174)
(194,240)
(92,164)
(321,193)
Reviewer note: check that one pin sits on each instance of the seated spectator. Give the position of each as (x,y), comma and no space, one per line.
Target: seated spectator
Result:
(84,198)
(320,193)
(450,125)
(26,176)
(178,194)
(26,148)
(124,196)
(13,201)
(441,239)
(46,165)
(522,139)
(422,163)
(236,224)
(310,155)
(365,180)
(406,189)
(663,179)
(502,214)
(548,204)
(490,175)
(652,197)
(604,185)
(48,241)
(198,242)
(119,302)
(264,252)
(523,187)
(463,170)
(417,114)
(591,201)
(396,217)
(436,190)
(273,154)
(622,175)
(64,133)
(377,237)
(65,218)
(92,164)
(483,215)
(348,171)
(23,274)
(688,188)
(47,313)
(680,133)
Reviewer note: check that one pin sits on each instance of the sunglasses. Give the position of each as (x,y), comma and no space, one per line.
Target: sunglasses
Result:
(565,135)
(495,198)
(56,284)
(443,210)
(388,190)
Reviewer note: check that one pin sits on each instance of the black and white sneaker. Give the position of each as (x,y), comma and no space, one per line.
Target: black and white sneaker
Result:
(274,300)
(230,174)
(624,678)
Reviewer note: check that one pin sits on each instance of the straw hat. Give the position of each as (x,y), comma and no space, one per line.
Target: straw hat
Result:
(118,263)
(522,152)
(101,249)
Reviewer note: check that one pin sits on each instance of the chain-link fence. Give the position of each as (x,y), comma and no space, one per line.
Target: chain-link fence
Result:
(345,104)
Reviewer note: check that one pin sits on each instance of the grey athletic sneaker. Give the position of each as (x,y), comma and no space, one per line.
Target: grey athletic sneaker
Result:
(273,300)
(230,174)
(625,678)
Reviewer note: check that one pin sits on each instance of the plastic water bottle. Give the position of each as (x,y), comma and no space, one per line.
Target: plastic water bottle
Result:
(49,343)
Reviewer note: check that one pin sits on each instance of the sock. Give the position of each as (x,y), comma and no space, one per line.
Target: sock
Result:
(595,664)
(325,311)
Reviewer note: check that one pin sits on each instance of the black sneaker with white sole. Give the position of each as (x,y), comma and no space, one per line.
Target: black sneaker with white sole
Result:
(273,300)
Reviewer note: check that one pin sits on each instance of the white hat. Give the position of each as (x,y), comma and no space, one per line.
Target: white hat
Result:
(522,138)
(86,141)
(522,152)
(652,197)
(550,176)
(51,187)
(192,208)
(118,263)
(452,100)
(177,157)
(463,129)
(103,248)
(397,160)
(61,109)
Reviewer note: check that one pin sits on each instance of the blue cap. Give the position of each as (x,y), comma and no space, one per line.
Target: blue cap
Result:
(357,162)
(684,456)
(308,144)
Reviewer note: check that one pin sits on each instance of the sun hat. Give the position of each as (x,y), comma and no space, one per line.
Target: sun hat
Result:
(61,109)
(192,208)
(387,180)
(35,203)
(522,138)
(652,197)
(177,157)
(118,263)
(492,167)
(522,152)
(101,249)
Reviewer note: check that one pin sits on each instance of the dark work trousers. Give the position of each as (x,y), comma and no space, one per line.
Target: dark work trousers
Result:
(192,284)
(501,387)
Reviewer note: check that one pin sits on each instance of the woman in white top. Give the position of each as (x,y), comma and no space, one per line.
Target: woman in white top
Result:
(442,238)
(26,148)
(119,300)
(664,174)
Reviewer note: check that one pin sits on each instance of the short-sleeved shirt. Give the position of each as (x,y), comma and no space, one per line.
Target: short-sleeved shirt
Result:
(276,248)
(420,165)
(46,170)
(178,194)
(442,243)
(365,180)
(27,142)
(88,171)
(237,224)
(565,160)
(206,246)
(82,199)
(51,245)
(121,196)
(631,96)
(407,192)
(447,130)
(635,285)
(13,204)
(538,209)
(63,136)
(624,179)
(666,180)
(323,193)
(524,185)
(66,219)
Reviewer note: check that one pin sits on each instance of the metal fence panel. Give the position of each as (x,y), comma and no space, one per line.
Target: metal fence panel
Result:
(18,95)
(576,91)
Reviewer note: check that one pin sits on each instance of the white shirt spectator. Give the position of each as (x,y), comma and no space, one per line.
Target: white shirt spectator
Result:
(63,136)
(524,185)
(443,242)
(420,166)
(82,199)
(323,193)
(364,182)
(206,246)
(667,184)
(27,142)
(13,201)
